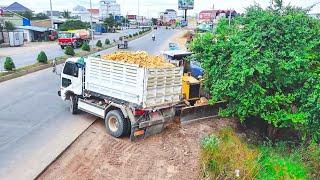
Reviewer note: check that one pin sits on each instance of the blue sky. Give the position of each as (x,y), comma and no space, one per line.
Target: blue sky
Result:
(153,7)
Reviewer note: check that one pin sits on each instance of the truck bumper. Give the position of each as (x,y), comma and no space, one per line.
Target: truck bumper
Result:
(155,124)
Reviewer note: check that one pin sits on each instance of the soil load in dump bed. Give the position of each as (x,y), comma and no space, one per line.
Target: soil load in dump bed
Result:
(140,58)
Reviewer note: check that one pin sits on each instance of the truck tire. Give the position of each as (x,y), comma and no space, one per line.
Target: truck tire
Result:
(62,47)
(116,124)
(73,104)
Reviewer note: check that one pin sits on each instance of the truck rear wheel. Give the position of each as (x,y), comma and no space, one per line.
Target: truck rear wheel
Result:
(73,104)
(116,124)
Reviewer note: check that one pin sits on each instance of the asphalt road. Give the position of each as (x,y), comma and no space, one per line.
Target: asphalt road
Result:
(23,56)
(36,125)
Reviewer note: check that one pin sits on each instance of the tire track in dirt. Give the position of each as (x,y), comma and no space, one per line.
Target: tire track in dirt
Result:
(172,154)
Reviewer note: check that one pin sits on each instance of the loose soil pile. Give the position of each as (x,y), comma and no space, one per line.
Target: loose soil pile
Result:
(140,58)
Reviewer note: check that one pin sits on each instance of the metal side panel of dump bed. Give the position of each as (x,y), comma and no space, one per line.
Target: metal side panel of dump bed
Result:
(146,88)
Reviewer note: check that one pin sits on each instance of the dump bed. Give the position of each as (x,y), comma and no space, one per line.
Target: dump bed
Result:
(141,87)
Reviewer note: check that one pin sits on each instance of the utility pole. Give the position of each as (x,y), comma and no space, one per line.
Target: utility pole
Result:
(138,7)
(229,17)
(51,16)
(91,21)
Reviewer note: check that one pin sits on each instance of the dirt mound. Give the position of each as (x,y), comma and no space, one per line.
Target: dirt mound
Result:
(140,58)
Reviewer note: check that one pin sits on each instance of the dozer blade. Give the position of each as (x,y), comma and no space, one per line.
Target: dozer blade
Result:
(197,113)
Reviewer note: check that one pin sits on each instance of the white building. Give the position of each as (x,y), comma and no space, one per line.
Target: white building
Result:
(169,16)
(109,7)
(84,14)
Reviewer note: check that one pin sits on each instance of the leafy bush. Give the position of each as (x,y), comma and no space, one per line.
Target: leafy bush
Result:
(224,153)
(265,65)
(85,47)
(130,35)
(69,51)
(42,57)
(9,64)
(107,42)
(99,44)
(140,32)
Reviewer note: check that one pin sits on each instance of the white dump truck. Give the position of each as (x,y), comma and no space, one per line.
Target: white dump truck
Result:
(132,100)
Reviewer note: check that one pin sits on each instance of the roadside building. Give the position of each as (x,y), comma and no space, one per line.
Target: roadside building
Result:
(109,7)
(213,16)
(84,15)
(10,14)
(47,23)
(55,14)
(169,16)
(17,8)
(35,33)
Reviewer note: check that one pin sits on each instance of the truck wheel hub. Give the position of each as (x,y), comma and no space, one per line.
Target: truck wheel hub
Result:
(113,124)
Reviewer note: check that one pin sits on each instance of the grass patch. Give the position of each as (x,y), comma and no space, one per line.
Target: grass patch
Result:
(224,155)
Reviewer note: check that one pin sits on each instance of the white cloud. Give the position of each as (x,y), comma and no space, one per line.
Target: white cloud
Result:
(153,7)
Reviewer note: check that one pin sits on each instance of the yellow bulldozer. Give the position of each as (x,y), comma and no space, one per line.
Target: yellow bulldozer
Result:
(195,105)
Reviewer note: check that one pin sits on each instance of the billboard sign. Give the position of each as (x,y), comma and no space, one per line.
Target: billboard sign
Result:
(185,4)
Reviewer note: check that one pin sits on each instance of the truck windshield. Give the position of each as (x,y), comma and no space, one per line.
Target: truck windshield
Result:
(65,35)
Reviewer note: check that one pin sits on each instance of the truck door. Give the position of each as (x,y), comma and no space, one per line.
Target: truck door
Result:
(71,78)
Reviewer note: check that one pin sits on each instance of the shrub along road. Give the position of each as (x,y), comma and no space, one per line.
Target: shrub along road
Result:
(35,124)
(27,55)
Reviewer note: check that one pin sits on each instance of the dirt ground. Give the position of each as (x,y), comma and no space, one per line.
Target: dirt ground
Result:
(172,154)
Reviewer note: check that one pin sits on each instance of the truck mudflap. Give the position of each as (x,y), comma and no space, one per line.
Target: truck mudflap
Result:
(153,124)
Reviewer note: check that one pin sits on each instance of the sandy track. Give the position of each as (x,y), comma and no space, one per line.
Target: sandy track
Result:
(173,154)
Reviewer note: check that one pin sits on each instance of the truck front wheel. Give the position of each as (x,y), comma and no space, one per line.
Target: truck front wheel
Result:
(73,104)
(116,124)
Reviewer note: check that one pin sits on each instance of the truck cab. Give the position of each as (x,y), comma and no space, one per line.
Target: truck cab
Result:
(71,78)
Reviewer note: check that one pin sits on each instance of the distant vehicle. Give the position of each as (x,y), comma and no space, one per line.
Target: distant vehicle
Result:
(123,43)
(74,38)
(183,23)
(155,27)
(153,37)
(173,46)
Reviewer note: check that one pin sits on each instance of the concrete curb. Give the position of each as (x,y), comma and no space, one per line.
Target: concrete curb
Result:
(49,64)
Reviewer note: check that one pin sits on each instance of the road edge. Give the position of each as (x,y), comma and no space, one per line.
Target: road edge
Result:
(23,72)
(64,150)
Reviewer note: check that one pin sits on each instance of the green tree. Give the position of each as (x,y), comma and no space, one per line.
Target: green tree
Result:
(73,24)
(42,57)
(110,23)
(9,26)
(85,47)
(40,16)
(8,64)
(66,14)
(99,44)
(154,21)
(266,65)
(69,51)
(26,14)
